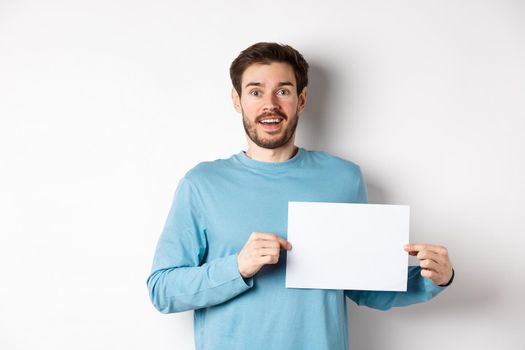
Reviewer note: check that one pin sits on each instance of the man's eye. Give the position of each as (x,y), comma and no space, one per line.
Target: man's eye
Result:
(254,93)
(282,92)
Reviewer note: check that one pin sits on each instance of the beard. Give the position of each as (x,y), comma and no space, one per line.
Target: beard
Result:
(270,143)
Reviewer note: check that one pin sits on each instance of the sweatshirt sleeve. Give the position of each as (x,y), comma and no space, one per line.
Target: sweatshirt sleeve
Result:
(419,290)
(179,281)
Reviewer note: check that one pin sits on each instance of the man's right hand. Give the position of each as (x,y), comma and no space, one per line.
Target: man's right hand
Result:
(260,249)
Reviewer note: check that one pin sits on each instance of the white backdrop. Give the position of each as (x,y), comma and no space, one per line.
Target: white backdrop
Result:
(104,105)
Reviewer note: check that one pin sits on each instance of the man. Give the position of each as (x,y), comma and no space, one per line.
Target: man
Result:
(223,250)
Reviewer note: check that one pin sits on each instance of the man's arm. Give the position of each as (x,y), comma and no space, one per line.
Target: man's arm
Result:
(433,275)
(178,281)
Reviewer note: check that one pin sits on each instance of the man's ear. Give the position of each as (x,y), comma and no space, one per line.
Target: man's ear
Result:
(302,99)
(236,101)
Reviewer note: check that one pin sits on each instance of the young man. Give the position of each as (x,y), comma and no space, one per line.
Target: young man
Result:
(223,249)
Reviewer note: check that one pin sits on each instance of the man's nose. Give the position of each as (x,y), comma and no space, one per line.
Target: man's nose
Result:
(270,102)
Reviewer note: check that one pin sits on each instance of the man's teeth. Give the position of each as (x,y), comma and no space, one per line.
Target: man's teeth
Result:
(267,121)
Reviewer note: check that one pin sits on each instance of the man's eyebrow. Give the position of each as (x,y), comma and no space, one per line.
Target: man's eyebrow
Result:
(281,83)
(253,83)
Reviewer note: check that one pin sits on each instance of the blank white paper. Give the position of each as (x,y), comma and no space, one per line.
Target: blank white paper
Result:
(347,246)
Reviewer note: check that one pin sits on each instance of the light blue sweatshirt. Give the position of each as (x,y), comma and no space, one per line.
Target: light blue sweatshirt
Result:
(217,205)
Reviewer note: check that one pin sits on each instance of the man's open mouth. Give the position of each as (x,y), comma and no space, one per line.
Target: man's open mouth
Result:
(271,121)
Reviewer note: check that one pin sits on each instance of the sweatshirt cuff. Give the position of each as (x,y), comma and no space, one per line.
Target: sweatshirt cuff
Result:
(233,273)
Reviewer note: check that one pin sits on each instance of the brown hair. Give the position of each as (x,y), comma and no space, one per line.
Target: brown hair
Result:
(266,53)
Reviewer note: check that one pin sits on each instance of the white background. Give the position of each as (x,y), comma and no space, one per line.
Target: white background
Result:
(104,105)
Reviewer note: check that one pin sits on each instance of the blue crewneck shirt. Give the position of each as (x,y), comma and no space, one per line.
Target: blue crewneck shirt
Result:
(216,207)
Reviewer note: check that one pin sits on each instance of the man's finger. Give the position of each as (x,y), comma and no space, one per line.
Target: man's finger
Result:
(266,243)
(419,247)
(284,243)
(262,235)
(272,236)
(428,254)
(428,264)
(267,251)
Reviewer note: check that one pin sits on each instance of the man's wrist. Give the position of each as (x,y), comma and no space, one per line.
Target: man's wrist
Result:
(450,281)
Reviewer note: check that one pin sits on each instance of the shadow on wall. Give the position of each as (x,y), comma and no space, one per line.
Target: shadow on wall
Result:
(313,121)
(328,110)
(372,329)
(376,195)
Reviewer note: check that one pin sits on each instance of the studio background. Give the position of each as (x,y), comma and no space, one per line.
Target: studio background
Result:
(104,106)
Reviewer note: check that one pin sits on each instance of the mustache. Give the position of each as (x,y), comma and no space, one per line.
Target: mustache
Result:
(271,114)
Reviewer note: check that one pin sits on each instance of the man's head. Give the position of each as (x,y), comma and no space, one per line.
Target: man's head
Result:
(266,53)
(269,89)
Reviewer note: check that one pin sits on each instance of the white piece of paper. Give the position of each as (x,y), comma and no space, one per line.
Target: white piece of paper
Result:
(347,246)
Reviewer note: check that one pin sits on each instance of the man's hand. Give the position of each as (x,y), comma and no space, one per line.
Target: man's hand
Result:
(434,261)
(260,249)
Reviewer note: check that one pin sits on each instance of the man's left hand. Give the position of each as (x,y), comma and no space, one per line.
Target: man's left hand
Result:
(434,261)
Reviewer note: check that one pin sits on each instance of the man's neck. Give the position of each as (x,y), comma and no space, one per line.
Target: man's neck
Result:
(276,155)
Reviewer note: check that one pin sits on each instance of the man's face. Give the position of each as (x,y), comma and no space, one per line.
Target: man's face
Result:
(269,104)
